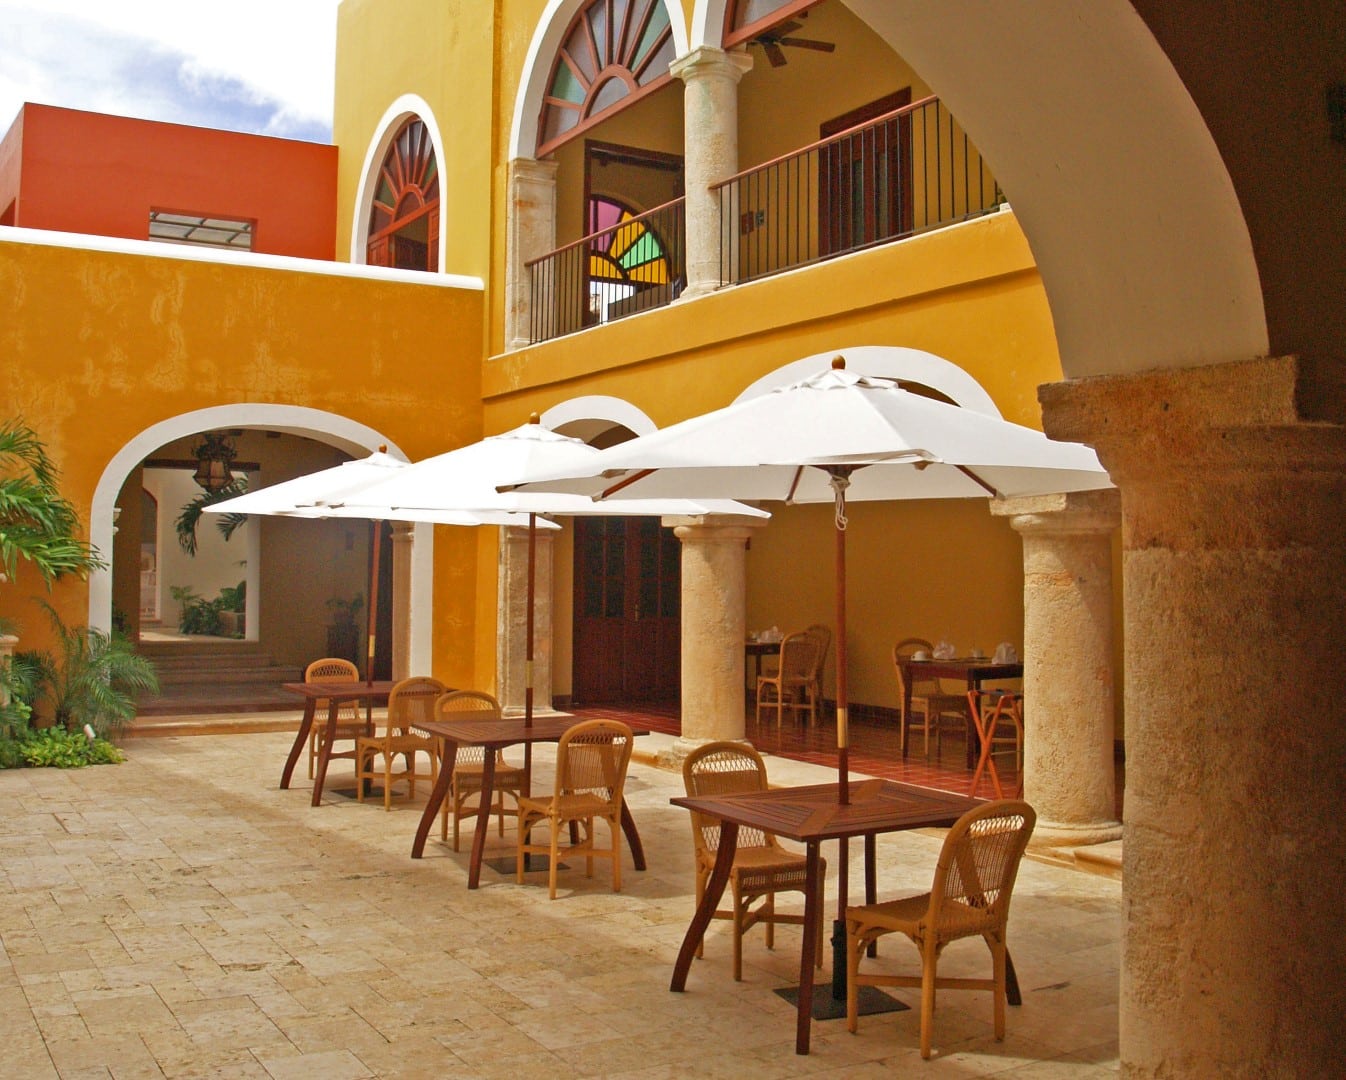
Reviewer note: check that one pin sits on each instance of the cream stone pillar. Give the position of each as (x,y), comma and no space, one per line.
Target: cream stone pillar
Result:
(530,233)
(7,644)
(710,126)
(512,621)
(714,588)
(403,532)
(1068,678)
(1234,541)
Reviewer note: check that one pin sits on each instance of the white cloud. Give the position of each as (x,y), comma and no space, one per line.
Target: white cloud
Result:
(246,65)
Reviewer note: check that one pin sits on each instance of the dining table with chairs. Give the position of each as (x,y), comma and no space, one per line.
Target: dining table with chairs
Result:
(972,671)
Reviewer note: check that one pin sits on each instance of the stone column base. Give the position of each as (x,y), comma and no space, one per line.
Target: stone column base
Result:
(1059,836)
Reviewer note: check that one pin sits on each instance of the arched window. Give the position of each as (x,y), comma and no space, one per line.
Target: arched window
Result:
(613,52)
(404,220)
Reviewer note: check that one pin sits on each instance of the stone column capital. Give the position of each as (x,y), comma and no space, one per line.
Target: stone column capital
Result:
(524,169)
(707,529)
(1079,512)
(707,61)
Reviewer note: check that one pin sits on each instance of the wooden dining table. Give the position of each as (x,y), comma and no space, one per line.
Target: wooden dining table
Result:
(972,670)
(335,694)
(810,815)
(495,734)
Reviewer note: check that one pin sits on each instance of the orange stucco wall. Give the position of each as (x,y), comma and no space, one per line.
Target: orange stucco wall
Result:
(75,171)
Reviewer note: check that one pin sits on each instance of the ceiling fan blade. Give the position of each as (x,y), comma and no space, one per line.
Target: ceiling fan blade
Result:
(774,53)
(807,43)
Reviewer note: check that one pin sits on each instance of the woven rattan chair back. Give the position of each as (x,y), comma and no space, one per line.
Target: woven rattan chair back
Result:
(469,762)
(591,762)
(349,722)
(459,704)
(723,768)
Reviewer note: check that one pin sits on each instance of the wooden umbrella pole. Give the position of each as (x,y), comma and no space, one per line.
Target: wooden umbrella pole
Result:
(528,657)
(840,481)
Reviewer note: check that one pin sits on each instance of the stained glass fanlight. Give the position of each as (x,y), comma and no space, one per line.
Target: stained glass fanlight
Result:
(614,50)
(624,251)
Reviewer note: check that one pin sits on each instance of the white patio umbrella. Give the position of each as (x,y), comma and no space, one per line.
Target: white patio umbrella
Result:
(835,436)
(466,480)
(303,497)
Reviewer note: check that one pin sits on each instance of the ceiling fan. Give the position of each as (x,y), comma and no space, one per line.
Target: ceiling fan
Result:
(772,40)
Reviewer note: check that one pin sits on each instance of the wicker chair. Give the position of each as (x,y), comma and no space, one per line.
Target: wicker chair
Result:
(970,896)
(469,762)
(928,698)
(350,724)
(762,868)
(999,714)
(411,700)
(791,684)
(591,763)
(823,636)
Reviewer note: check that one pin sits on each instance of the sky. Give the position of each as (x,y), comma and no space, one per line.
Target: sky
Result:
(259,66)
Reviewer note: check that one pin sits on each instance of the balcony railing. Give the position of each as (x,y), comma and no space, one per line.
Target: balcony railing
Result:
(906,172)
(630,267)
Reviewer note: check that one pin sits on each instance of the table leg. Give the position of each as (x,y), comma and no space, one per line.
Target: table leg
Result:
(972,684)
(871,883)
(1012,994)
(632,837)
(438,793)
(325,754)
(904,720)
(710,900)
(300,741)
(813,913)
(487,796)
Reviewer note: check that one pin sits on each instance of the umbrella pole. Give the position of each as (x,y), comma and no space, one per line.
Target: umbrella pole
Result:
(371,627)
(840,483)
(528,654)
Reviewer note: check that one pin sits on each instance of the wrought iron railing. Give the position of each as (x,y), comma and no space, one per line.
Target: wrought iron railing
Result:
(906,172)
(630,267)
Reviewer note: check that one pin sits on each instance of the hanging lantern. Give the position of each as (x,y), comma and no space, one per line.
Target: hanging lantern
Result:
(214,453)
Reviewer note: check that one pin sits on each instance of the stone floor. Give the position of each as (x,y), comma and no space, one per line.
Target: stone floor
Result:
(178,915)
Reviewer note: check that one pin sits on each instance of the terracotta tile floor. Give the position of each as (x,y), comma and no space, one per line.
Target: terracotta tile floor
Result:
(875,748)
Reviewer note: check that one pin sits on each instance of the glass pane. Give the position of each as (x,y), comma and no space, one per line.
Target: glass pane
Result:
(657,25)
(608,95)
(565,86)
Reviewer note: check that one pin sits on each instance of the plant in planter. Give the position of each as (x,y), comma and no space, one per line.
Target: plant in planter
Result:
(198,615)
(343,633)
(233,601)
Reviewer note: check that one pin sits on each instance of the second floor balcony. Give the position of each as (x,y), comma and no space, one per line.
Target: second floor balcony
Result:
(908,171)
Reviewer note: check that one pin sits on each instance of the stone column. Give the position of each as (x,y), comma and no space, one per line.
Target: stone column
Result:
(1068,670)
(512,624)
(530,233)
(1234,542)
(710,125)
(7,643)
(403,532)
(714,588)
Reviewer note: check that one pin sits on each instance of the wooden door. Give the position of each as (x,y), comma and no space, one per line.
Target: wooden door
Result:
(865,178)
(627,611)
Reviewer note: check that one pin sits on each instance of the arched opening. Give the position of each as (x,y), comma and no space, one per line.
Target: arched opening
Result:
(404,213)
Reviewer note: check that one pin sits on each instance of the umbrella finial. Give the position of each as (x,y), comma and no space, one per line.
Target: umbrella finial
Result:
(838,363)
(383,448)
(534,418)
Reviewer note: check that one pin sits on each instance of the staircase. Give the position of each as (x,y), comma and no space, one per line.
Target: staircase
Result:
(203,676)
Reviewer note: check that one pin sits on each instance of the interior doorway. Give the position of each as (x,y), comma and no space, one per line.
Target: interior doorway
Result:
(628,608)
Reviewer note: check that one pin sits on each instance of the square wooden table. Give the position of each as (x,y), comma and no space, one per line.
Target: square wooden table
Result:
(335,694)
(972,670)
(494,735)
(811,815)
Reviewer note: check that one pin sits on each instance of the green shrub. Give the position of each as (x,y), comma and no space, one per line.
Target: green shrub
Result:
(56,748)
(199,615)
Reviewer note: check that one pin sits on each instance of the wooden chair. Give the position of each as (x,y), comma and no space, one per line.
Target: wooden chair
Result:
(823,636)
(998,715)
(591,763)
(411,700)
(350,724)
(762,868)
(970,896)
(791,684)
(928,698)
(469,762)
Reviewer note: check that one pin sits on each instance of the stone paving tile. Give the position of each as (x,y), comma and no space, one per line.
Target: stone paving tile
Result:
(240,932)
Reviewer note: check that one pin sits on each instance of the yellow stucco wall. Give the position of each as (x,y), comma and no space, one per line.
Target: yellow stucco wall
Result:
(97,347)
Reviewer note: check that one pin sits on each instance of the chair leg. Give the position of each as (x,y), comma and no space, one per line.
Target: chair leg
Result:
(615,828)
(852,975)
(388,781)
(555,856)
(739,912)
(928,961)
(998,992)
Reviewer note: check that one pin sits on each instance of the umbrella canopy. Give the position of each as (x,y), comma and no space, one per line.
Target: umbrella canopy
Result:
(835,436)
(466,481)
(305,497)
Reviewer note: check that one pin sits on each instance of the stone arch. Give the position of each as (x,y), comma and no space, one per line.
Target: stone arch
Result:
(404,108)
(345,434)
(1105,157)
(551,27)
(591,417)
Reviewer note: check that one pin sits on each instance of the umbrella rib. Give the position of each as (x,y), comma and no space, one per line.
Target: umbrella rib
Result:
(626,481)
(978,481)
